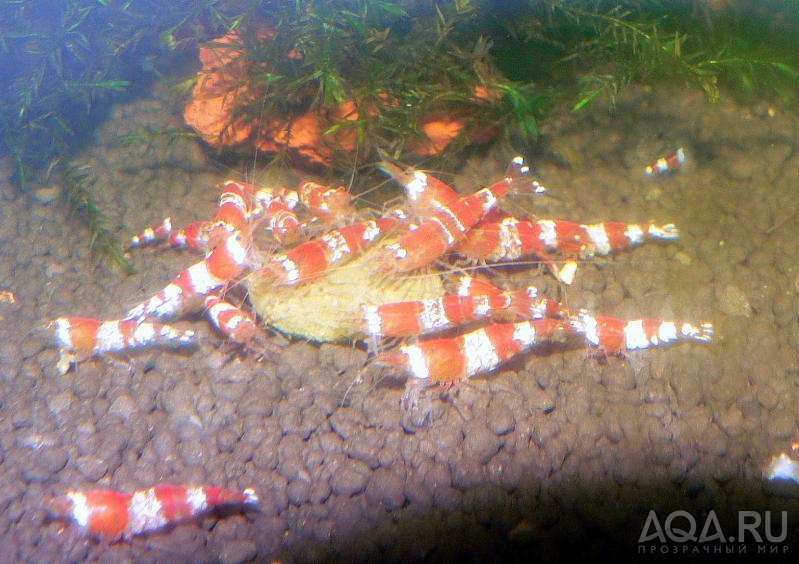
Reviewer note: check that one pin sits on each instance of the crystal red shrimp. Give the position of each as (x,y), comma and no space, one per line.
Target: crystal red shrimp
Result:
(453,359)
(421,188)
(511,238)
(613,335)
(221,265)
(475,299)
(312,258)
(83,338)
(239,204)
(525,303)
(233,214)
(195,236)
(449,224)
(235,323)
(113,515)
(419,317)
(669,163)
(152,235)
(326,203)
(450,360)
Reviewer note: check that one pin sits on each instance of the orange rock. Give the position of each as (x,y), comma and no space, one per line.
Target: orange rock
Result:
(485,93)
(221,83)
(440,133)
(221,51)
(304,136)
(442,128)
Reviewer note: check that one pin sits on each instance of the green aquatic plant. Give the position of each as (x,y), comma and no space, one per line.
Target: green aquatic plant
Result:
(78,195)
(397,63)
(64,63)
(590,49)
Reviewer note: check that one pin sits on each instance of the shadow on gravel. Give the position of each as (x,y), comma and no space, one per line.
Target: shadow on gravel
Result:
(703,520)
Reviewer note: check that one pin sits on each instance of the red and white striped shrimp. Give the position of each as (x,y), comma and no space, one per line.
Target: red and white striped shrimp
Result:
(312,258)
(277,207)
(152,235)
(236,324)
(83,338)
(613,335)
(113,515)
(233,212)
(194,236)
(419,317)
(236,204)
(524,303)
(283,221)
(421,189)
(512,238)
(446,361)
(327,204)
(220,266)
(612,236)
(449,224)
(669,163)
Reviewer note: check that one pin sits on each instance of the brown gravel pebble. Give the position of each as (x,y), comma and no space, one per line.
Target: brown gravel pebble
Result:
(320,491)
(467,473)
(91,467)
(349,478)
(366,446)
(386,488)
(499,417)
(480,443)
(238,551)
(43,462)
(298,491)
(123,407)
(345,422)
(782,424)
(504,471)
(293,468)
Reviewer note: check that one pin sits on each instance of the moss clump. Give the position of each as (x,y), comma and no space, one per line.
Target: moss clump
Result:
(401,61)
(586,50)
(62,64)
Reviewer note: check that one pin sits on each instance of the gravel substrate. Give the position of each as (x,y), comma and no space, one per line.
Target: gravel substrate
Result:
(556,454)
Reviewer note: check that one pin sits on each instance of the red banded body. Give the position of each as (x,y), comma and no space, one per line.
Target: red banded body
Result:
(448,224)
(421,189)
(613,335)
(511,238)
(221,265)
(83,338)
(233,214)
(475,299)
(668,163)
(152,235)
(418,317)
(453,359)
(313,258)
(114,515)
(235,323)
